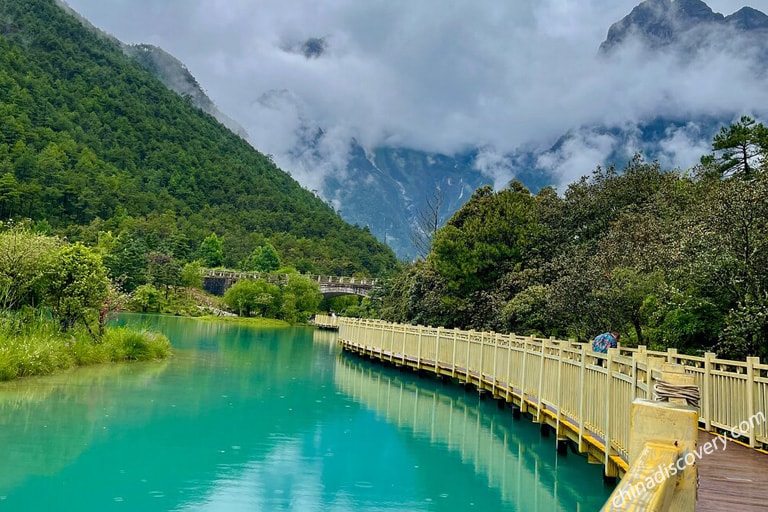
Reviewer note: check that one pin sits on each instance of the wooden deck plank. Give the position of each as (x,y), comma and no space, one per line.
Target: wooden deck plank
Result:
(733,479)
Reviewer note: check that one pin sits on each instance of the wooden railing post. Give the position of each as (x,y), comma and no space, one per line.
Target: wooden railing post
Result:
(609,368)
(453,362)
(495,360)
(523,377)
(482,361)
(672,355)
(582,373)
(539,417)
(706,392)
(559,401)
(751,362)
(418,347)
(468,341)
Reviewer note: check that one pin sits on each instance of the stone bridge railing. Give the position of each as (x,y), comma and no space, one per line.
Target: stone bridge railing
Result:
(218,281)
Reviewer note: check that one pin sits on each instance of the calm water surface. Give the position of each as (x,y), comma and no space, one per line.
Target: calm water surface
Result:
(244,419)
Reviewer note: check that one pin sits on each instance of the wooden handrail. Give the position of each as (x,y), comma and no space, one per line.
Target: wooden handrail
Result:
(732,392)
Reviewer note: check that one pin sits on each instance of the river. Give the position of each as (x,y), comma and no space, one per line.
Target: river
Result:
(246,419)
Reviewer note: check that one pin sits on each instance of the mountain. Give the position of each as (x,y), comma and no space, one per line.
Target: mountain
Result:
(96,148)
(385,188)
(175,75)
(688,26)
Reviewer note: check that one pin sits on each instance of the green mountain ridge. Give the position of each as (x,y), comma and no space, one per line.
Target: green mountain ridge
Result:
(92,142)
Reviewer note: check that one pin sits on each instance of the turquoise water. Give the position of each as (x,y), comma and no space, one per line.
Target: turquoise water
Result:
(272,420)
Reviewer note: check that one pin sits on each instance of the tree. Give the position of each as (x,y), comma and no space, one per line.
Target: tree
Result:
(263,259)
(259,296)
(191,275)
(126,261)
(25,258)
(212,251)
(147,297)
(163,271)
(428,222)
(738,150)
(301,298)
(77,284)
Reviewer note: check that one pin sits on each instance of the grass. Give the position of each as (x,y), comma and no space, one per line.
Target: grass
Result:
(242,320)
(31,344)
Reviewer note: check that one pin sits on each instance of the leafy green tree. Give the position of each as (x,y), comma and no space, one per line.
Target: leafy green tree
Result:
(212,251)
(484,240)
(10,194)
(163,271)
(147,298)
(263,259)
(126,261)
(254,296)
(191,275)
(301,298)
(25,259)
(77,284)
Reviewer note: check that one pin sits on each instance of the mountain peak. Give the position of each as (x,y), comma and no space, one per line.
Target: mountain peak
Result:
(660,22)
(748,18)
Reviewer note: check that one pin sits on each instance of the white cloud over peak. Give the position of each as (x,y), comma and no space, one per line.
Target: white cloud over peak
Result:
(432,75)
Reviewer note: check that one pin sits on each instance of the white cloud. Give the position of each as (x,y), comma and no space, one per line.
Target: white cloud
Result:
(433,75)
(577,154)
(681,146)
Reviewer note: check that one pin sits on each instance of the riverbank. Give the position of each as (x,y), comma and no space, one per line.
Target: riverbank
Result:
(35,345)
(245,320)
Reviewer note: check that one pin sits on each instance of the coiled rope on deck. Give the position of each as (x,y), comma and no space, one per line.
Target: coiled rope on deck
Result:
(663,391)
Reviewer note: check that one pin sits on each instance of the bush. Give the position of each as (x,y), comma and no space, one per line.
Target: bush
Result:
(125,344)
(34,345)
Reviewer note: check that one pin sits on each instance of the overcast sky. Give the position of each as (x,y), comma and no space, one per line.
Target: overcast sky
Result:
(439,75)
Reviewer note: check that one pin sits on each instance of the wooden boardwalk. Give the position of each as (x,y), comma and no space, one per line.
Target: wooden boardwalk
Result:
(734,479)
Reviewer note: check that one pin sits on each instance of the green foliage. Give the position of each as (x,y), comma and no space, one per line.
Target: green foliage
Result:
(25,258)
(254,296)
(738,150)
(301,298)
(77,282)
(163,271)
(129,345)
(33,344)
(212,251)
(93,142)
(668,258)
(263,259)
(147,299)
(191,275)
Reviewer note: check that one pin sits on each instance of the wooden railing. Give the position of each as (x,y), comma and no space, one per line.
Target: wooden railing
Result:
(585,396)
(483,443)
(326,321)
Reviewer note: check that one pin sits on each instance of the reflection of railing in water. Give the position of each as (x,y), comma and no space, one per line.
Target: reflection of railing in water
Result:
(326,322)
(561,383)
(495,450)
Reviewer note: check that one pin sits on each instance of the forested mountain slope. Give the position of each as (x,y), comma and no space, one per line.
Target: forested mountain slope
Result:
(91,142)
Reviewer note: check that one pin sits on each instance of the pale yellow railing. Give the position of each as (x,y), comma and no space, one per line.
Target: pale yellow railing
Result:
(584,396)
(326,321)
(485,444)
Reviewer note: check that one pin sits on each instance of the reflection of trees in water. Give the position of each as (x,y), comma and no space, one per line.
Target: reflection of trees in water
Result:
(47,422)
(511,456)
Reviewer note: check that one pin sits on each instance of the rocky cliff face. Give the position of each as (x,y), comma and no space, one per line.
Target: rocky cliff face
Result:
(686,25)
(385,188)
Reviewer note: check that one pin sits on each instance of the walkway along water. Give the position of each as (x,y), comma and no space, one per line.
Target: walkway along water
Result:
(585,397)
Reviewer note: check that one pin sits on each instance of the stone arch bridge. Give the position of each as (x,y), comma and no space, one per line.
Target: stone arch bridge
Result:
(218,281)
